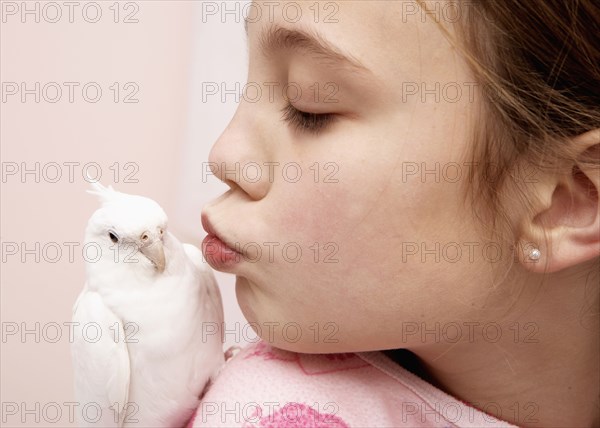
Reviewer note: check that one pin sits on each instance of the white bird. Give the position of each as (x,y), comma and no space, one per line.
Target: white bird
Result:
(158,311)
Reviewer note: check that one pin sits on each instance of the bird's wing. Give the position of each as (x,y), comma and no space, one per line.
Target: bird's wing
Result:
(207,277)
(212,312)
(195,255)
(100,360)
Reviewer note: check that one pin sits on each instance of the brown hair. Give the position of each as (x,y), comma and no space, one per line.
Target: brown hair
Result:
(539,62)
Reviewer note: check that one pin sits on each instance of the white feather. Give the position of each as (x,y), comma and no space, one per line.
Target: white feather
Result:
(101,362)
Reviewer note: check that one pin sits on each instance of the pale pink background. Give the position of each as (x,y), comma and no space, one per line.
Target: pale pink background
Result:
(169,53)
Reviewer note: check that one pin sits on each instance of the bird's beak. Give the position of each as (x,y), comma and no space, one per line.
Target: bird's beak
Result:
(155,253)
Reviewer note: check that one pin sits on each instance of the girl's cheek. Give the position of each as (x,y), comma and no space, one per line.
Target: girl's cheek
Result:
(314,212)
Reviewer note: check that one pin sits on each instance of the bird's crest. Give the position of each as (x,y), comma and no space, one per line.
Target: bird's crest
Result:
(105,194)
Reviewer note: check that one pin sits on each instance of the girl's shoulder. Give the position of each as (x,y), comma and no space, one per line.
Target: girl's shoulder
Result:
(262,386)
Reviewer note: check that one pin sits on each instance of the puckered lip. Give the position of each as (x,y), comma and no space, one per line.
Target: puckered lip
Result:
(208,227)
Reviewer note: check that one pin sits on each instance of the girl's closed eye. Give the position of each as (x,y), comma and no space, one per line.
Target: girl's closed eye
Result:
(306,121)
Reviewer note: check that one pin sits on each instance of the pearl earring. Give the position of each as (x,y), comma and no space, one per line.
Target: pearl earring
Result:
(535,254)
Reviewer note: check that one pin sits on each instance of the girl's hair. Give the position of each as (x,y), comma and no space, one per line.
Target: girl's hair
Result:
(538,63)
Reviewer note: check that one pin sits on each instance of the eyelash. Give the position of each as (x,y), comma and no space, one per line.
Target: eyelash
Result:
(305,121)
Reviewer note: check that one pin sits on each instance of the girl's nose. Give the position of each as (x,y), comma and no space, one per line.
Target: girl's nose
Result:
(240,157)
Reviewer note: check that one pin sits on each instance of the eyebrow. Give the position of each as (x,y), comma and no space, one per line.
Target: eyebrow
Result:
(275,38)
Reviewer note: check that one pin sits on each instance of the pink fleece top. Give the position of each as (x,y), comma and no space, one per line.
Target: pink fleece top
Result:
(262,386)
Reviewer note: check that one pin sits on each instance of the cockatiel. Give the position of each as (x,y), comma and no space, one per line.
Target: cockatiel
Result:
(158,311)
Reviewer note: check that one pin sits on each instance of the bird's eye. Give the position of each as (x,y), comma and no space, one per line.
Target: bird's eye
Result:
(113,237)
(145,237)
(161,231)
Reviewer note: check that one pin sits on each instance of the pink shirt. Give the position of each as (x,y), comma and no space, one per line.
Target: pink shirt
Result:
(263,386)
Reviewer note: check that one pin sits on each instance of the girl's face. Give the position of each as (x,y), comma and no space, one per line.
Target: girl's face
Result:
(353,223)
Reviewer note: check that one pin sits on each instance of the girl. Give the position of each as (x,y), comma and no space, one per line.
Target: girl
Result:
(418,178)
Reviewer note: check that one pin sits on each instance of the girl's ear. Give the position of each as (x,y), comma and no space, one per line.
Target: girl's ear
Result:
(565,226)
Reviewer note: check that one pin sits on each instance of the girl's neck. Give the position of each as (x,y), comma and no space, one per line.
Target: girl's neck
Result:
(544,369)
